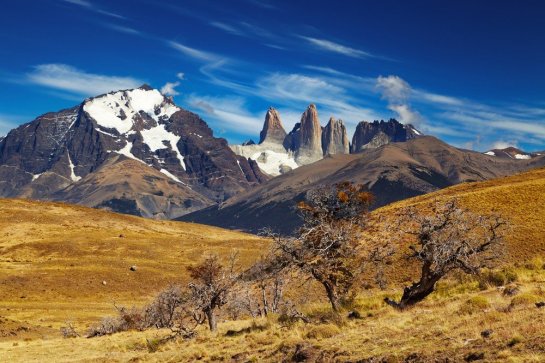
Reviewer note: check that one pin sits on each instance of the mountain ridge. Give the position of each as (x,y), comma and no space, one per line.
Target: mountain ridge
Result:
(392,172)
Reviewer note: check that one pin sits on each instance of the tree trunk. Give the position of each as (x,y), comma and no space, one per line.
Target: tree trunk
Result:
(264,300)
(416,292)
(332,296)
(211,317)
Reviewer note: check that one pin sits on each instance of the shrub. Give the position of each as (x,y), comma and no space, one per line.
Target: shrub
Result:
(69,331)
(474,305)
(496,278)
(323,331)
(535,263)
(107,325)
(517,339)
(523,300)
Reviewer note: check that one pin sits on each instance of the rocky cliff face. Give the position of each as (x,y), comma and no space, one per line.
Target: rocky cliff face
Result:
(61,149)
(369,135)
(273,130)
(278,153)
(309,143)
(334,138)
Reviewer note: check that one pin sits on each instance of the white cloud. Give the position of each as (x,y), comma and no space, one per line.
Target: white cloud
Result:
(437,98)
(169,89)
(88,5)
(336,47)
(228,113)
(193,52)
(123,29)
(5,127)
(393,89)
(397,92)
(180,76)
(500,144)
(227,28)
(67,78)
(407,115)
(9,122)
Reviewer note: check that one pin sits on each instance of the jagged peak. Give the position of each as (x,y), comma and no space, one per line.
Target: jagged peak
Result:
(146,87)
(273,129)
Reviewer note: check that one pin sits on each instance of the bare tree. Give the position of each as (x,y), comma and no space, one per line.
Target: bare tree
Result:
(448,238)
(211,286)
(264,286)
(327,248)
(163,311)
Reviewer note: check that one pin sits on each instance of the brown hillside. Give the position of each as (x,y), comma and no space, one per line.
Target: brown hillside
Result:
(519,198)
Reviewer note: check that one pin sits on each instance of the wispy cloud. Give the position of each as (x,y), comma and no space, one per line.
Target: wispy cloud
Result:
(123,29)
(396,92)
(92,7)
(70,79)
(502,144)
(227,28)
(338,48)
(169,89)
(194,52)
(296,91)
(227,113)
(262,4)
(9,122)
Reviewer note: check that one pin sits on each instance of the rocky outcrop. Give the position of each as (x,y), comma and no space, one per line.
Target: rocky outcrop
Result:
(334,138)
(273,130)
(59,150)
(308,147)
(370,135)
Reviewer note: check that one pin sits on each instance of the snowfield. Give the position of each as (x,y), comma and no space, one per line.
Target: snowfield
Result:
(269,157)
(117,111)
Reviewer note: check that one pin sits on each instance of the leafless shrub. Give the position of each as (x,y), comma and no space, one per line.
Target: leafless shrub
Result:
(163,311)
(108,325)
(69,331)
(211,287)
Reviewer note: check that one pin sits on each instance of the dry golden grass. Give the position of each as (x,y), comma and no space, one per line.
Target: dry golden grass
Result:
(439,328)
(519,198)
(53,259)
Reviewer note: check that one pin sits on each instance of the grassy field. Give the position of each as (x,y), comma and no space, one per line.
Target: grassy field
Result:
(60,263)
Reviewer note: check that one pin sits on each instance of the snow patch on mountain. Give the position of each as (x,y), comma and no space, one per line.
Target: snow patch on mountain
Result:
(491,153)
(171,176)
(126,150)
(117,110)
(272,162)
(523,156)
(73,175)
(270,157)
(156,137)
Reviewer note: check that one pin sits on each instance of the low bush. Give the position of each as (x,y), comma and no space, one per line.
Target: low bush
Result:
(523,300)
(323,331)
(495,278)
(474,305)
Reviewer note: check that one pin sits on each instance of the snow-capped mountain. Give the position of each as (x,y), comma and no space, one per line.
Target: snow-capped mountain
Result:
(60,155)
(511,153)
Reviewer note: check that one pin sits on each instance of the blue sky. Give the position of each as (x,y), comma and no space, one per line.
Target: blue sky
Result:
(468,72)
